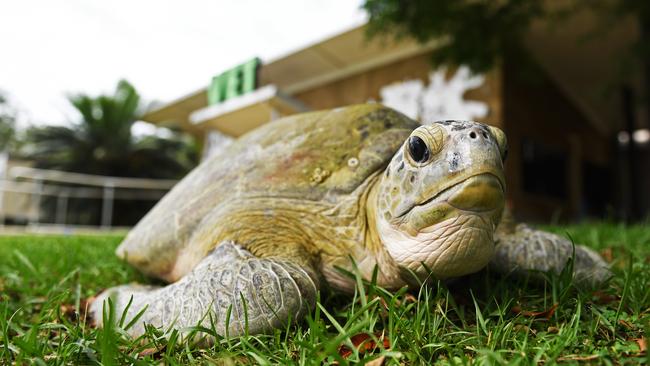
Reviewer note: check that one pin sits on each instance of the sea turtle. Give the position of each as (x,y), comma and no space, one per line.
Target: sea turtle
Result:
(248,238)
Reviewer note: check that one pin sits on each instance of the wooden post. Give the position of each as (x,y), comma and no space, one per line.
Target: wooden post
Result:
(574,176)
(629,115)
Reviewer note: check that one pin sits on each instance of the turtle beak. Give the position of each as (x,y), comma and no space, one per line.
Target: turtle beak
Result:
(483,192)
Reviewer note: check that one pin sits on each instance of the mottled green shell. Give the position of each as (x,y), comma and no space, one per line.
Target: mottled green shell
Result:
(319,156)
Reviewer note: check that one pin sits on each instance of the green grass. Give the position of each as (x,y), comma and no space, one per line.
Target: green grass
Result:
(44,280)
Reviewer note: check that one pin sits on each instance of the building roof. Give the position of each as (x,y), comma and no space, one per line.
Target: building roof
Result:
(581,69)
(332,59)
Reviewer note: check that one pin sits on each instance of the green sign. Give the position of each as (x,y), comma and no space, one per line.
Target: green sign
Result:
(234,82)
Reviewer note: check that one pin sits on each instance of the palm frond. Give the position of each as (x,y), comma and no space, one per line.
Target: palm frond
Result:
(101,143)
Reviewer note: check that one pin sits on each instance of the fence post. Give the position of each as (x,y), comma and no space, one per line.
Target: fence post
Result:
(39,198)
(61,207)
(107,205)
(4,162)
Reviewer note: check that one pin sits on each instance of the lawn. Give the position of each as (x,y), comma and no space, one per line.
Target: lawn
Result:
(481,319)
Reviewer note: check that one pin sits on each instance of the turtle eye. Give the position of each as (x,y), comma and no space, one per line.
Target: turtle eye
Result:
(418,149)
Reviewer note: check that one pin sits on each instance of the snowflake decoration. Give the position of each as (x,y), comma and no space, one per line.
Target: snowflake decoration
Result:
(441,99)
(404,97)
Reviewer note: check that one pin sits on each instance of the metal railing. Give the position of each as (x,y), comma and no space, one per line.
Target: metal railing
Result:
(37,183)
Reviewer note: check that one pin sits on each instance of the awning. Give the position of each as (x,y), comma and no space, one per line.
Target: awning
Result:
(236,116)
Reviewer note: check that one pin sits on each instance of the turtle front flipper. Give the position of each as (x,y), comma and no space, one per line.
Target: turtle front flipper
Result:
(230,288)
(521,250)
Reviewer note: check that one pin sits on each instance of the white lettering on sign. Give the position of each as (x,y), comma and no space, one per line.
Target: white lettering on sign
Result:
(440,100)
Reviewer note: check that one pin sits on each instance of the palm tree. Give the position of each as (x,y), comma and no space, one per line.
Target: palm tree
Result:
(102,143)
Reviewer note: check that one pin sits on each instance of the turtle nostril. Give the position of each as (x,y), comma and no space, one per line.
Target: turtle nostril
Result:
(472,135)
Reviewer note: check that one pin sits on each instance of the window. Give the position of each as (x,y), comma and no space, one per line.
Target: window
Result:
(544,169)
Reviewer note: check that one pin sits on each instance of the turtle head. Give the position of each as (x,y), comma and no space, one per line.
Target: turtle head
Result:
(441,197)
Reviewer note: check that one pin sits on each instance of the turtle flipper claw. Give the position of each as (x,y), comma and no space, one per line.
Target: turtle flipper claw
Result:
(237,291)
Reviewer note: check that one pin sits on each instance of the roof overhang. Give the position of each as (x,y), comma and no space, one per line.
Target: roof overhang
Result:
(344,55)
(177,113)
(236,116)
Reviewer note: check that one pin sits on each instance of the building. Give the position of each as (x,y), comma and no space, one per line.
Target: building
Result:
(564,160)
(17,205)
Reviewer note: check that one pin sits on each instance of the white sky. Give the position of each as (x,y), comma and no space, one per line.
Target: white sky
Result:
(165,48)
